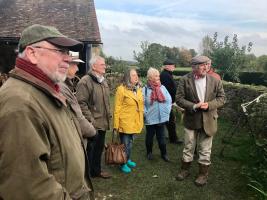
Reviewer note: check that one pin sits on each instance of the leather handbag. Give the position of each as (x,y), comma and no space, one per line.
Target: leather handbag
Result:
(115,152)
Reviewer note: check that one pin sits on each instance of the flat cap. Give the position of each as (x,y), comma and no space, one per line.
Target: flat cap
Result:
(36,33)
(199,60)
(75,57)
(168,62)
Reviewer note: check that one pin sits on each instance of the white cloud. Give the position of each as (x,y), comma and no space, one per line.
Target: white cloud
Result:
(122,32)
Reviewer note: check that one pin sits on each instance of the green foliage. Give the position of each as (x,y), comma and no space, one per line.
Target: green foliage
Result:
(116,65)
(250,64)
(226,56)
(256,171)
(255,78)
(262,63)
(181,72)
(153,55)
(206,45)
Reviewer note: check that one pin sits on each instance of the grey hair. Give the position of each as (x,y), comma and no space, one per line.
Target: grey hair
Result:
(93,61)
(126,80)
(151,72)
(22,54)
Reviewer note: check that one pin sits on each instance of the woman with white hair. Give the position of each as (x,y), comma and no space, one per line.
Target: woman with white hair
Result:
(157,101)
(128,113)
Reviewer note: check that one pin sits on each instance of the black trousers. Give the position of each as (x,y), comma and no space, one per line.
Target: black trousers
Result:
(94,152)
(151,130)
(171,127)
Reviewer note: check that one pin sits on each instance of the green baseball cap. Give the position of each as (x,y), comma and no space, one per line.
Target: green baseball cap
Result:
(36,33)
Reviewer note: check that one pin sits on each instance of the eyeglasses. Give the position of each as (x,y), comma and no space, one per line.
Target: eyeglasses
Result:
(61,51)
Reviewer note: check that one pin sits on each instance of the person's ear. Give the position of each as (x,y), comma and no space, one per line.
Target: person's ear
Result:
(30,53)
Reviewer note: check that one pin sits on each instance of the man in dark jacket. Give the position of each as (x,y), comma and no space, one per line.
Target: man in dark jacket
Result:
(93,97)
(41,152)
(166,79)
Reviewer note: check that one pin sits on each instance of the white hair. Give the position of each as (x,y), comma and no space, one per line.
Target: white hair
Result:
(151,72)
(94,59)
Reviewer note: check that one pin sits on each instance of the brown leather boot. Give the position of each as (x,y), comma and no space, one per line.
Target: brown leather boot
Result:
(184,171)
(202,178)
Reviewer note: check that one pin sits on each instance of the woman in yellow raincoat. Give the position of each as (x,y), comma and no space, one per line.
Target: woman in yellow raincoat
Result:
(128,113)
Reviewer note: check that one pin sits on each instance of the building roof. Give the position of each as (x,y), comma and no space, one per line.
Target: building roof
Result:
(74,18)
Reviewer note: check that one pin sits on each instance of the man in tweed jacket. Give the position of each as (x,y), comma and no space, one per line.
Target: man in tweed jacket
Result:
(200,95)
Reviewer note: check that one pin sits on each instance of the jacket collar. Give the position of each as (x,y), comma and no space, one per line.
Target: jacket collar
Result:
(27,77)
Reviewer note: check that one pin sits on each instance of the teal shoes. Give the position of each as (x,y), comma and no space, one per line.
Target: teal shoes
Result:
(131,164)
(125,169)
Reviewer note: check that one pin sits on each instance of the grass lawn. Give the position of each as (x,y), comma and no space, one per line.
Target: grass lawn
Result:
(155,179)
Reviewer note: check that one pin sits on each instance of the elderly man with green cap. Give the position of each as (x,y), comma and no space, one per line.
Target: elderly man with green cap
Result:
(200,95)
(41,150)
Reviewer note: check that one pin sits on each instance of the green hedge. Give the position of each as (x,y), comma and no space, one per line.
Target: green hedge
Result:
(256,78)
(180,72)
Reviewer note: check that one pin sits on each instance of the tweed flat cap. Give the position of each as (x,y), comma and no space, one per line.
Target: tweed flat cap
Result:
(37,33)
(199,60)
(168,62)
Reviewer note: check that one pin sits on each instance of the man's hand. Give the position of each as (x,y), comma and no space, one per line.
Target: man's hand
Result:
(198,105)
(204,106)
(201,105)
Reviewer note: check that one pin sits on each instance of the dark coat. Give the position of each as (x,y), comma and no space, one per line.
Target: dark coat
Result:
(166,79)
(93,98)
(187,97)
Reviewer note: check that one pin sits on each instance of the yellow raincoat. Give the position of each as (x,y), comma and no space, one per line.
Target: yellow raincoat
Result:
(128,110)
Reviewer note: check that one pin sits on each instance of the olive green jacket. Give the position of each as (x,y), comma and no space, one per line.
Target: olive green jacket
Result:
(41,152)
(93,98)
(187,97)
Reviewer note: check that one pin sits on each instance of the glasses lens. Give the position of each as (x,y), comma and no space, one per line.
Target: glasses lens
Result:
(65,51)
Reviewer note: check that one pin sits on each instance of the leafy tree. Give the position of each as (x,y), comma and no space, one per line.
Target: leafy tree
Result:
(206,46)
(228,57)
(193,52)
(152,55)
(250,64)
(185,57)
(173,54)
(114,64)
(262,63)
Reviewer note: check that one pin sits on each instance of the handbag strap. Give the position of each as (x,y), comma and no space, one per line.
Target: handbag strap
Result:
(113,136)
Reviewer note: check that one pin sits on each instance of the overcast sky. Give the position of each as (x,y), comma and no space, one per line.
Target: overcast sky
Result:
(181,23)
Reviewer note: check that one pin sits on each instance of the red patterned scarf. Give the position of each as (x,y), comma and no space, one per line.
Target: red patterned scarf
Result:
(156,94)
(36,72)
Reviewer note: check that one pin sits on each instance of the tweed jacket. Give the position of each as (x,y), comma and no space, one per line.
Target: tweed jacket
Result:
(187,97)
